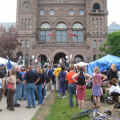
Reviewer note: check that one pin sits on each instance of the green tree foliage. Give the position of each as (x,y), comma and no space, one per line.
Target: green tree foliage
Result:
(112,44)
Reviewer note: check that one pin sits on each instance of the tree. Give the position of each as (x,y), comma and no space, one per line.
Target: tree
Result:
(8,43)
(112,44)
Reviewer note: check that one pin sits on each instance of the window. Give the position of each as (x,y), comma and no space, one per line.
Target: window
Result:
(96,33)
(94,44)
(22,43)
(100,43)
(61,36)
(0,34)
(44,37)
(77,25)
(79,37)
(81,12)
(96,24)
(12,33)
(27,43)
(45,25)
(29,24)
(100,33)
(71,12)
(96,6)
(94,57)
(100,24)
(93,34)
(26,24)
(51,12)
(93,24)
(42,12)
(26,59)
(61,25)
(22,24)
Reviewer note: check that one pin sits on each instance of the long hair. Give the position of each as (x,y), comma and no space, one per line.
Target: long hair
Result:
(96,69)
(39,70)
(113,67)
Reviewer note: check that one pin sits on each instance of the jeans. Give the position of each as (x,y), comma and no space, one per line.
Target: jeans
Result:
(30,91)
(23,91)
(57,84)
(62,88)
(72,90)
(39,94)
(17,92)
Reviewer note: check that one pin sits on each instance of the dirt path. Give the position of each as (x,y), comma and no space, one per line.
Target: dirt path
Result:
(45,108)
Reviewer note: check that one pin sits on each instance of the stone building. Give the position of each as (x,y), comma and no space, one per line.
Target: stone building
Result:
(85,18)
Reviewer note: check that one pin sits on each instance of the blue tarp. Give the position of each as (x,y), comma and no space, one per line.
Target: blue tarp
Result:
(104,63)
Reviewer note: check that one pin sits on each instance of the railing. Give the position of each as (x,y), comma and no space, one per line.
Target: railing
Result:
(42,43)
(94,11)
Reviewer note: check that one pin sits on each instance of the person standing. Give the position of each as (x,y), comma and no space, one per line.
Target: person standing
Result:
(11,86)
(23,91)
(113,72)
(56,73)
(96,88)
(39,86)
(2,86)
(31,78)
(18,86)
(71,85)
(49,73)
(81,86)
(62,86)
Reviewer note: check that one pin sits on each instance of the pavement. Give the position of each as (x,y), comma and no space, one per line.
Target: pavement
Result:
(20,113)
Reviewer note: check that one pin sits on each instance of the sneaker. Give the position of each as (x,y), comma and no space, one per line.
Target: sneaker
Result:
(58,96)
(17,105)
(34,107)
(63,97)
(0,110)
(28,107)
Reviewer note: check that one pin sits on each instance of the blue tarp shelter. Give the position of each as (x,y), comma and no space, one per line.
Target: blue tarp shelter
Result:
(104,63)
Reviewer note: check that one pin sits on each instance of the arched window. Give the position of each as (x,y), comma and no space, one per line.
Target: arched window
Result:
(78,31)
(94,44)
(44,37)
(96,6)
(45,25)
(61,25)
(100,43)
(61,35)
(78,58)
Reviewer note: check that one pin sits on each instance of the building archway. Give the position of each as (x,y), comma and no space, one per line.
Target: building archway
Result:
(58,56)
(43,59)
(78,58)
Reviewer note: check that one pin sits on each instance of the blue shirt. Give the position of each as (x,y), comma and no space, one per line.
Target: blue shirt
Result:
(22,74)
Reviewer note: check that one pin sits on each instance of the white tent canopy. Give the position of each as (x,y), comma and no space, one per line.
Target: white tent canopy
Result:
(5,61)
(81,64)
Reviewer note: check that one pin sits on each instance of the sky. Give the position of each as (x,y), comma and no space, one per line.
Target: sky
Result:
(8,11)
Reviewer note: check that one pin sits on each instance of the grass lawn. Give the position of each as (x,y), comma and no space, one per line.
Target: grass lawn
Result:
(60,109)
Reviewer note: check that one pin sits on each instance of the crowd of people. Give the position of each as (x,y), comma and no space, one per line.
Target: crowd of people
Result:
(32,83)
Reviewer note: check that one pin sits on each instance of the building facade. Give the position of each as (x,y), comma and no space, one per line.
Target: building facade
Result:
(36,19)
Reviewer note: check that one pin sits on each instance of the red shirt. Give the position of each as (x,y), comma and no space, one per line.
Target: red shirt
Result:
(69,77)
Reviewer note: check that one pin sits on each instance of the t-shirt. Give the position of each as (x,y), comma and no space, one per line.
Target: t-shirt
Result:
(31,76)
(114,89)
(56,72)
(69,77)
(22,74)
(98,79)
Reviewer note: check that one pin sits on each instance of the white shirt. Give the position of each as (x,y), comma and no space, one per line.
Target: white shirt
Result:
(114,89)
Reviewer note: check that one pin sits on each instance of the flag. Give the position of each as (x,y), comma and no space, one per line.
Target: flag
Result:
(51,34)
(73,34)
(9,65)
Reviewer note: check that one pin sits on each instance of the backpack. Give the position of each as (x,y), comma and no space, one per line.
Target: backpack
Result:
(81,79)
(62,79)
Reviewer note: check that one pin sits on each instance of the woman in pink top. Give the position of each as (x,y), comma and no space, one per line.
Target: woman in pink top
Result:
(96,88)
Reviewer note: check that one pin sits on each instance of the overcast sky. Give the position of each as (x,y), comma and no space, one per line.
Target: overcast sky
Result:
(8,11)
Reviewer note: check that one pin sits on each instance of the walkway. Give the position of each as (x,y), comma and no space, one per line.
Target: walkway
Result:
(20,113)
